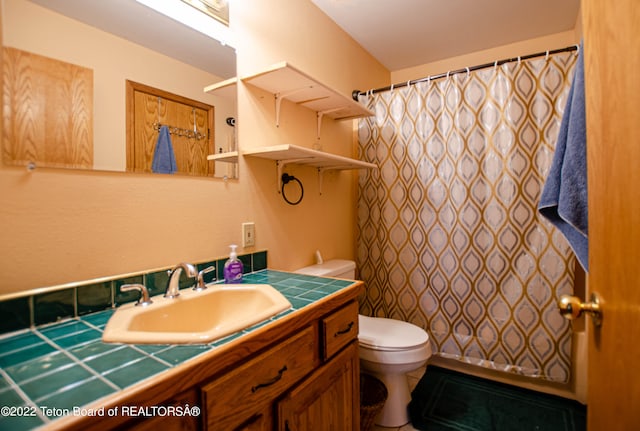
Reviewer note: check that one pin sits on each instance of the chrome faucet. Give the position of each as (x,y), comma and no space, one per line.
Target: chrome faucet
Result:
(173,285)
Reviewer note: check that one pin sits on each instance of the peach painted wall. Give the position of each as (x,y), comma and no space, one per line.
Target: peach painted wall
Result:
(61,226)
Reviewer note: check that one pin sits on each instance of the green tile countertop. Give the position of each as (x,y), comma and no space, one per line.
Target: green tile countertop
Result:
(54,370)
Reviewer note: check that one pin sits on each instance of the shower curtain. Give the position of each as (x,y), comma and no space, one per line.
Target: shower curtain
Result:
(448,233)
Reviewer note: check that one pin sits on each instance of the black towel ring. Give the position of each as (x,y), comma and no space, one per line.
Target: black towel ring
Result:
(286,178)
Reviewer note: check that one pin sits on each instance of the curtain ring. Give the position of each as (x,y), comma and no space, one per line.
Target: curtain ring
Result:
(409,84)
(518,60)
(391,91)
(546,57)
(495,65)
(467,71)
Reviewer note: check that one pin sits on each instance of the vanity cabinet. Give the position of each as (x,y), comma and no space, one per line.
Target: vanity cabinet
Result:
(300,372)
(309,381)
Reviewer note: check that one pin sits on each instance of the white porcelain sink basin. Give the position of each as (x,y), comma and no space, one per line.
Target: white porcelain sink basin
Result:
(195,317)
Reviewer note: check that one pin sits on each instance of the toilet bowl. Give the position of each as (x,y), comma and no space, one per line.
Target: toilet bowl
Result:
(388,348)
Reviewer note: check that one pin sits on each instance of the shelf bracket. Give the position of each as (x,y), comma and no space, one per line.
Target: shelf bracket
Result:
(320,114)
(320,178)
(284,95)
(280,165)
(321,172)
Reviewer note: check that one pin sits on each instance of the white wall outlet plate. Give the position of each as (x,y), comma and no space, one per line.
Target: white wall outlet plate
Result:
(248,234)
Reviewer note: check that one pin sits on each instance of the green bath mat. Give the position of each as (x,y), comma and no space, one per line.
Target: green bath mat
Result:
(446,400)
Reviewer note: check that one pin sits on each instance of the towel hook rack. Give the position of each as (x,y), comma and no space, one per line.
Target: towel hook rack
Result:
(180,131)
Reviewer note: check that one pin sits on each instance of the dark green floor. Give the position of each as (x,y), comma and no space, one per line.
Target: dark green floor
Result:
(445,400)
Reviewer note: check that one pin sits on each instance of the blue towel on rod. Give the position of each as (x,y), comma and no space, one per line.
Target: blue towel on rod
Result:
(164,160)
(564,197)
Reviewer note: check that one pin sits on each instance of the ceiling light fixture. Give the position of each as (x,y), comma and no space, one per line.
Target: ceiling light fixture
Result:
(195,18)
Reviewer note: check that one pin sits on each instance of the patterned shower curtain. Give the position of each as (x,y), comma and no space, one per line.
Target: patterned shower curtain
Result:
(448,233)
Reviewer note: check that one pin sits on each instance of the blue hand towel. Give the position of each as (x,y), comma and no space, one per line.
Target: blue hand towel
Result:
(564,197)
(164,161)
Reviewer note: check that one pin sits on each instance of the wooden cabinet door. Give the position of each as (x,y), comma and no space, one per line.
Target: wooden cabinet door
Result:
(327,400)
(232,401)
(262,421)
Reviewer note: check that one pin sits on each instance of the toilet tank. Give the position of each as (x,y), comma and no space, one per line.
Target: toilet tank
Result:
(331,268)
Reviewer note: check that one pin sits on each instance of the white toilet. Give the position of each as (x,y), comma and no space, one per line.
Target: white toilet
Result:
(389,348)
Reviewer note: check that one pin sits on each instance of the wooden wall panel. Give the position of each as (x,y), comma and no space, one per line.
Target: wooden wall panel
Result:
(47,111)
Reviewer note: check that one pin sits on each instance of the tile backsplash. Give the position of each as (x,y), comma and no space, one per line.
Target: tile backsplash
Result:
(88,297)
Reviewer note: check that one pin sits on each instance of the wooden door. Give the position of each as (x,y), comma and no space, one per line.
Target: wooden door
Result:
(327,400)
(612,68)
(190,123)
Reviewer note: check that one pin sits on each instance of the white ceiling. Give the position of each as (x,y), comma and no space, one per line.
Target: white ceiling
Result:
(407,33)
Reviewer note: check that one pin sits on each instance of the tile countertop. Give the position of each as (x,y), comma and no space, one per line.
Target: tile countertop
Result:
(48,371)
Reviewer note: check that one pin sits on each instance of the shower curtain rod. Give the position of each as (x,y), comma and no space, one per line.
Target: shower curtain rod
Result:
(357,93)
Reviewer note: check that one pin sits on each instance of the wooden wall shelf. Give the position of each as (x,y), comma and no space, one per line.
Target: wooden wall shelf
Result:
(287,154)
(226,88)
(229,157)
(286,82)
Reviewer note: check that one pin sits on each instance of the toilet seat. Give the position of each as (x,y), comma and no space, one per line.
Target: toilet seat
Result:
(390,335)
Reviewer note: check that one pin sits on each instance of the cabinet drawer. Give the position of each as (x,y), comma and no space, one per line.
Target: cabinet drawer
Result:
(241,393)
(339,329)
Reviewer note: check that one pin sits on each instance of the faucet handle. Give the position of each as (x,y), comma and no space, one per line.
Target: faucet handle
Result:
(200,285)
(144,299)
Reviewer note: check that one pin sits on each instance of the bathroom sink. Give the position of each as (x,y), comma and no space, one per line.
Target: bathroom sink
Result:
(195,317)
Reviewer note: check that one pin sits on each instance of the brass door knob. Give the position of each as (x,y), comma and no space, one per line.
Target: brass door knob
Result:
(571,307)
